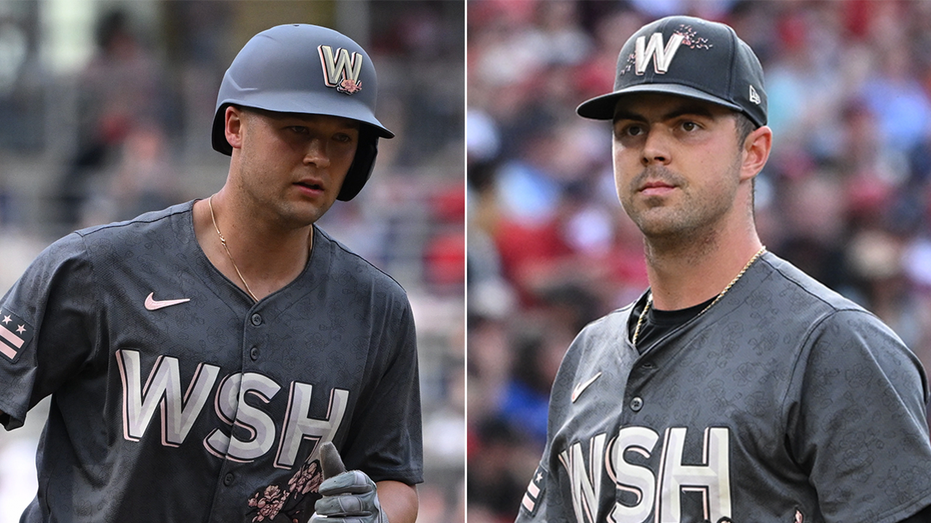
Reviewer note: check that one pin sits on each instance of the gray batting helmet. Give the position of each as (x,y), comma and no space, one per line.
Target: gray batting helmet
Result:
(301,68)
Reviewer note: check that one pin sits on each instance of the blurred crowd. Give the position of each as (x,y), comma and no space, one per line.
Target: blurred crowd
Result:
(128,131)
(846,195)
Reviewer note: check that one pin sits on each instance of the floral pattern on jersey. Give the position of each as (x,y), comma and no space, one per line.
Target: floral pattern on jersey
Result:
(275,500)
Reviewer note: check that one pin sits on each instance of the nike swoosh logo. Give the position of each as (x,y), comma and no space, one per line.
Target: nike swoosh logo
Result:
(577,391)
(152,304)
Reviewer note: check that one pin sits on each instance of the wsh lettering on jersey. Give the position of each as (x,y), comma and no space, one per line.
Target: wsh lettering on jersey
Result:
(651,475)
(180,407)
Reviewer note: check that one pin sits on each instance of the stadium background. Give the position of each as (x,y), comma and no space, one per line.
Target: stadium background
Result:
(106,109)
(846,195)
(89,136)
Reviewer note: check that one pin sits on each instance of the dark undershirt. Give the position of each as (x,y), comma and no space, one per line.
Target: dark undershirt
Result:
(658,323)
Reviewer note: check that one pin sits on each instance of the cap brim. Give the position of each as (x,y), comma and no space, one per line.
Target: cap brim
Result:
(301,103)
(603,107)
(358,113)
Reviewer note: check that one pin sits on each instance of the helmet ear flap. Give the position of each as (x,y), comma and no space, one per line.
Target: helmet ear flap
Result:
(362,165)
(218,132)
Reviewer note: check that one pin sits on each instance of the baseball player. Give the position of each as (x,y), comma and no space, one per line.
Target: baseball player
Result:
(736,388)
(199,357)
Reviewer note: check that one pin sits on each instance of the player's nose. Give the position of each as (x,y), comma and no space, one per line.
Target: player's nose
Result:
(655,148)
(316,153)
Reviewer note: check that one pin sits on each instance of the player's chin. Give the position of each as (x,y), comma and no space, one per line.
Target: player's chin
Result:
(643,211)
(658,222)
(314,204)
(301,213)
(310,215)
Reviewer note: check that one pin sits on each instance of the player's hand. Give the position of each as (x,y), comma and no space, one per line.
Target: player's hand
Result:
(348,497)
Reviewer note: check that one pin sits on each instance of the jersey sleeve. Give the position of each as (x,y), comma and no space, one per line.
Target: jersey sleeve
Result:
(541,501)
(385,438)
(548,496)
(857,421)
(47,329)
(536,505)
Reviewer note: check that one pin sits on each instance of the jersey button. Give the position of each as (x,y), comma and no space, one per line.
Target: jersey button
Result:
(636,404)
(254,353)
(228,479)
(256,319)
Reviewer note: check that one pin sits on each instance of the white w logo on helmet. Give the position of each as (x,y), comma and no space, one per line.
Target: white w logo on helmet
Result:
(341,70)
(662,56)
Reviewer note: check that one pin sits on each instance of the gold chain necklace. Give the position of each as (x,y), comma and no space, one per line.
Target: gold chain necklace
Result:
(716,300)
(228,253)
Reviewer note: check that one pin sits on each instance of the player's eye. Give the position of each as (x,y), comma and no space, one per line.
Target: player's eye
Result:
(342,138)
(689,126)
(628,130)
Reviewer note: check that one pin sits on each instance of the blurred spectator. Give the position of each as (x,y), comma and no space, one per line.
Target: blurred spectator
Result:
(846,195)
(142,179)
(121,86)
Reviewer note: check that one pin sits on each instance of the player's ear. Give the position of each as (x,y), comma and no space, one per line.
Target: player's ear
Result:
(233,122)
(756,151)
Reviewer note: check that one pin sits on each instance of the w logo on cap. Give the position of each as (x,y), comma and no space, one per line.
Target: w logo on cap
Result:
(341,69)
(661,55)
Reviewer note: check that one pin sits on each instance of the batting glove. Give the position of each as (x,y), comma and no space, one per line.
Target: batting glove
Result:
(348,497)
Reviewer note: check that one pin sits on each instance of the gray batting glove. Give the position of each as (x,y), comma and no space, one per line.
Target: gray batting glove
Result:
(348,497)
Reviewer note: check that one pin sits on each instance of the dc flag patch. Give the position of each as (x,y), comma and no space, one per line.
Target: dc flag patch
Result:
(535,491)
(15,333)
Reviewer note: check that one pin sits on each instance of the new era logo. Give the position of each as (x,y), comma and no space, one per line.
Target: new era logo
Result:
(15,333)
(755,96)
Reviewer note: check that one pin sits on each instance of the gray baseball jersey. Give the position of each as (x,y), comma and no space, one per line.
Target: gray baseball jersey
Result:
(784,402)
(177,398)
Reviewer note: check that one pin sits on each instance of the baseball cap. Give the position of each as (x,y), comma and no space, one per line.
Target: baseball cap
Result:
(300,68)
(690,57)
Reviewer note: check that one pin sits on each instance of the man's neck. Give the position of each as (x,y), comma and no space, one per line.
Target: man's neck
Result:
(690,273)
(268,258)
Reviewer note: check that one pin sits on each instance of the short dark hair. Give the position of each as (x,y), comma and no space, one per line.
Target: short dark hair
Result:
(745,126)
